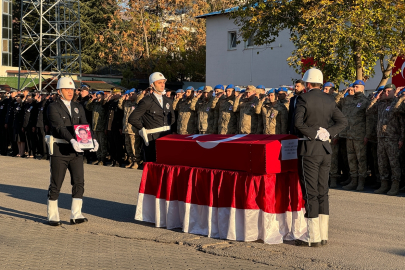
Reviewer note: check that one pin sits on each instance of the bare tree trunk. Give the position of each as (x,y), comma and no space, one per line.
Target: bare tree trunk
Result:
(357,61)
(145,36)
(386,71)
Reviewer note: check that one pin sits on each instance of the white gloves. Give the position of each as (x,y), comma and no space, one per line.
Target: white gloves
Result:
(76,146)
(144,136)
(96,145)
(322,134)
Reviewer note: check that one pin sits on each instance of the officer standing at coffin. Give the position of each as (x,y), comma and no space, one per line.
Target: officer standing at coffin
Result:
(153,116)
(65,152)
(314,112)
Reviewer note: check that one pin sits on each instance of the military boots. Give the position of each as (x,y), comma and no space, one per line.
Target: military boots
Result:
(394,189)
(384,187)
(360,185)
(352,185)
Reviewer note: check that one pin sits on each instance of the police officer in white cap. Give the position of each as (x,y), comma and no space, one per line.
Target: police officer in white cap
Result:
(153,116)
(313,124)
(65,152)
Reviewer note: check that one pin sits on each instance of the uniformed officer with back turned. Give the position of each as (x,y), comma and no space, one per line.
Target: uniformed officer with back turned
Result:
(153,116)
(65,152)
(315,128)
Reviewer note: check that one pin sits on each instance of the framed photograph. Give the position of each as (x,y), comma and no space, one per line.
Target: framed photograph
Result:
(83,137)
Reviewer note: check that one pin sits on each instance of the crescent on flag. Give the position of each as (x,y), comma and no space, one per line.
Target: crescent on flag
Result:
(212,144)
(402,70)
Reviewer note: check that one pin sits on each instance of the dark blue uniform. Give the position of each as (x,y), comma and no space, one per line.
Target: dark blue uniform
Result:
(64,156)
(149,115)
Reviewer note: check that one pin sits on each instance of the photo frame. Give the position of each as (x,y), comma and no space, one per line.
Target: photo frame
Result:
(84,137)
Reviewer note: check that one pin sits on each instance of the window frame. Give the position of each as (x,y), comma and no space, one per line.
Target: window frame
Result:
(247,46)
(230,48)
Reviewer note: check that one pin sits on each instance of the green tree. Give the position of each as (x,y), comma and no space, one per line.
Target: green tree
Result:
(345,38)
(94,18)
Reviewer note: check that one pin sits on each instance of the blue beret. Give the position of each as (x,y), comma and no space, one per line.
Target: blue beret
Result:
(219,86)
(237,89)
(271,91)
(200,88)
(401,92)
(380,88)
(243,90)
(351,85)
(180,91)
(284,89)
(100,93)
(359,82)
(329,84)
(132,90)
(347,93)
(190,88)
(231,86)
(126,92)
(260,87)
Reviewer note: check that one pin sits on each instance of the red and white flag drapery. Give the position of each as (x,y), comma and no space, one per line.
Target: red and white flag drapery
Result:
(222,204)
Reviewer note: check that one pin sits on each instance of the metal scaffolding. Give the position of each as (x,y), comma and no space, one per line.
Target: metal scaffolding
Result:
(49,41)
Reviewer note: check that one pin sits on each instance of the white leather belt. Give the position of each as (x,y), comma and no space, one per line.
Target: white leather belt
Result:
(159,129)
(50,140)
(305,138)
(59,140)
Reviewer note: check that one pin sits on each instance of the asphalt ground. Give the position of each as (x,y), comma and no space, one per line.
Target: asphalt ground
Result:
(367,231)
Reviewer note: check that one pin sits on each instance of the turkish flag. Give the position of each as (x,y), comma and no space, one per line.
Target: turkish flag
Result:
(399,79)
(253,153)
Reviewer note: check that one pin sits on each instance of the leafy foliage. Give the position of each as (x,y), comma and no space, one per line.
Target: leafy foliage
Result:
(345,38)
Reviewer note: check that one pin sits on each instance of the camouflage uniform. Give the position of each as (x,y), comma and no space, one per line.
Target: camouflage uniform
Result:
(373,154)
(207,117)
(98,126)
(132,138)
(285,102)
(390,130)
(227,120)
(354,108)
(400,108)
(249,121)
(337,163)
(274,115)
(186,122)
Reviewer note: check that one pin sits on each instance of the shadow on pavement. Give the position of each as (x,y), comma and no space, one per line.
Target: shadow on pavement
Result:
(399,252)
(101,208)
(20,214)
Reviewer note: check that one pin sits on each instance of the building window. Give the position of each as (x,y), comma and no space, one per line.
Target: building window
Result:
(6,48)
(232,41)
(249,43)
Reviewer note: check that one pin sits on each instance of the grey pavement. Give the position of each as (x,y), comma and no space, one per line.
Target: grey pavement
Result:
(367,231)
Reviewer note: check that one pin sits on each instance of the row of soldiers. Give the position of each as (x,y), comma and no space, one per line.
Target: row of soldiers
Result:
(24,124)
(372,141)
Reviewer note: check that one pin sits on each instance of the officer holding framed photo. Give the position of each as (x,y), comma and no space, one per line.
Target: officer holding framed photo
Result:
(65,151)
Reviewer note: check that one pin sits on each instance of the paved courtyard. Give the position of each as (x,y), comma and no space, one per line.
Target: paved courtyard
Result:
(367,231)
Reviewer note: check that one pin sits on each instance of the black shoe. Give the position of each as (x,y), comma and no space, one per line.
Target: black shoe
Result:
(78,221)
(54,223)
(303,243)
(113,164)
(324,242)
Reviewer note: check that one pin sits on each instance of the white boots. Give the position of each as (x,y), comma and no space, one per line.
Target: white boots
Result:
(53,213)
(317,232)
(76,216)
(324,228)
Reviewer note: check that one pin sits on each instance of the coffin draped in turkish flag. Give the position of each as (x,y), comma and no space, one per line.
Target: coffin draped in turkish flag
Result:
(256,154)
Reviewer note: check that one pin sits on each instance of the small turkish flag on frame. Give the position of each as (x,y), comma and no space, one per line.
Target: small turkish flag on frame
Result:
(399,79)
